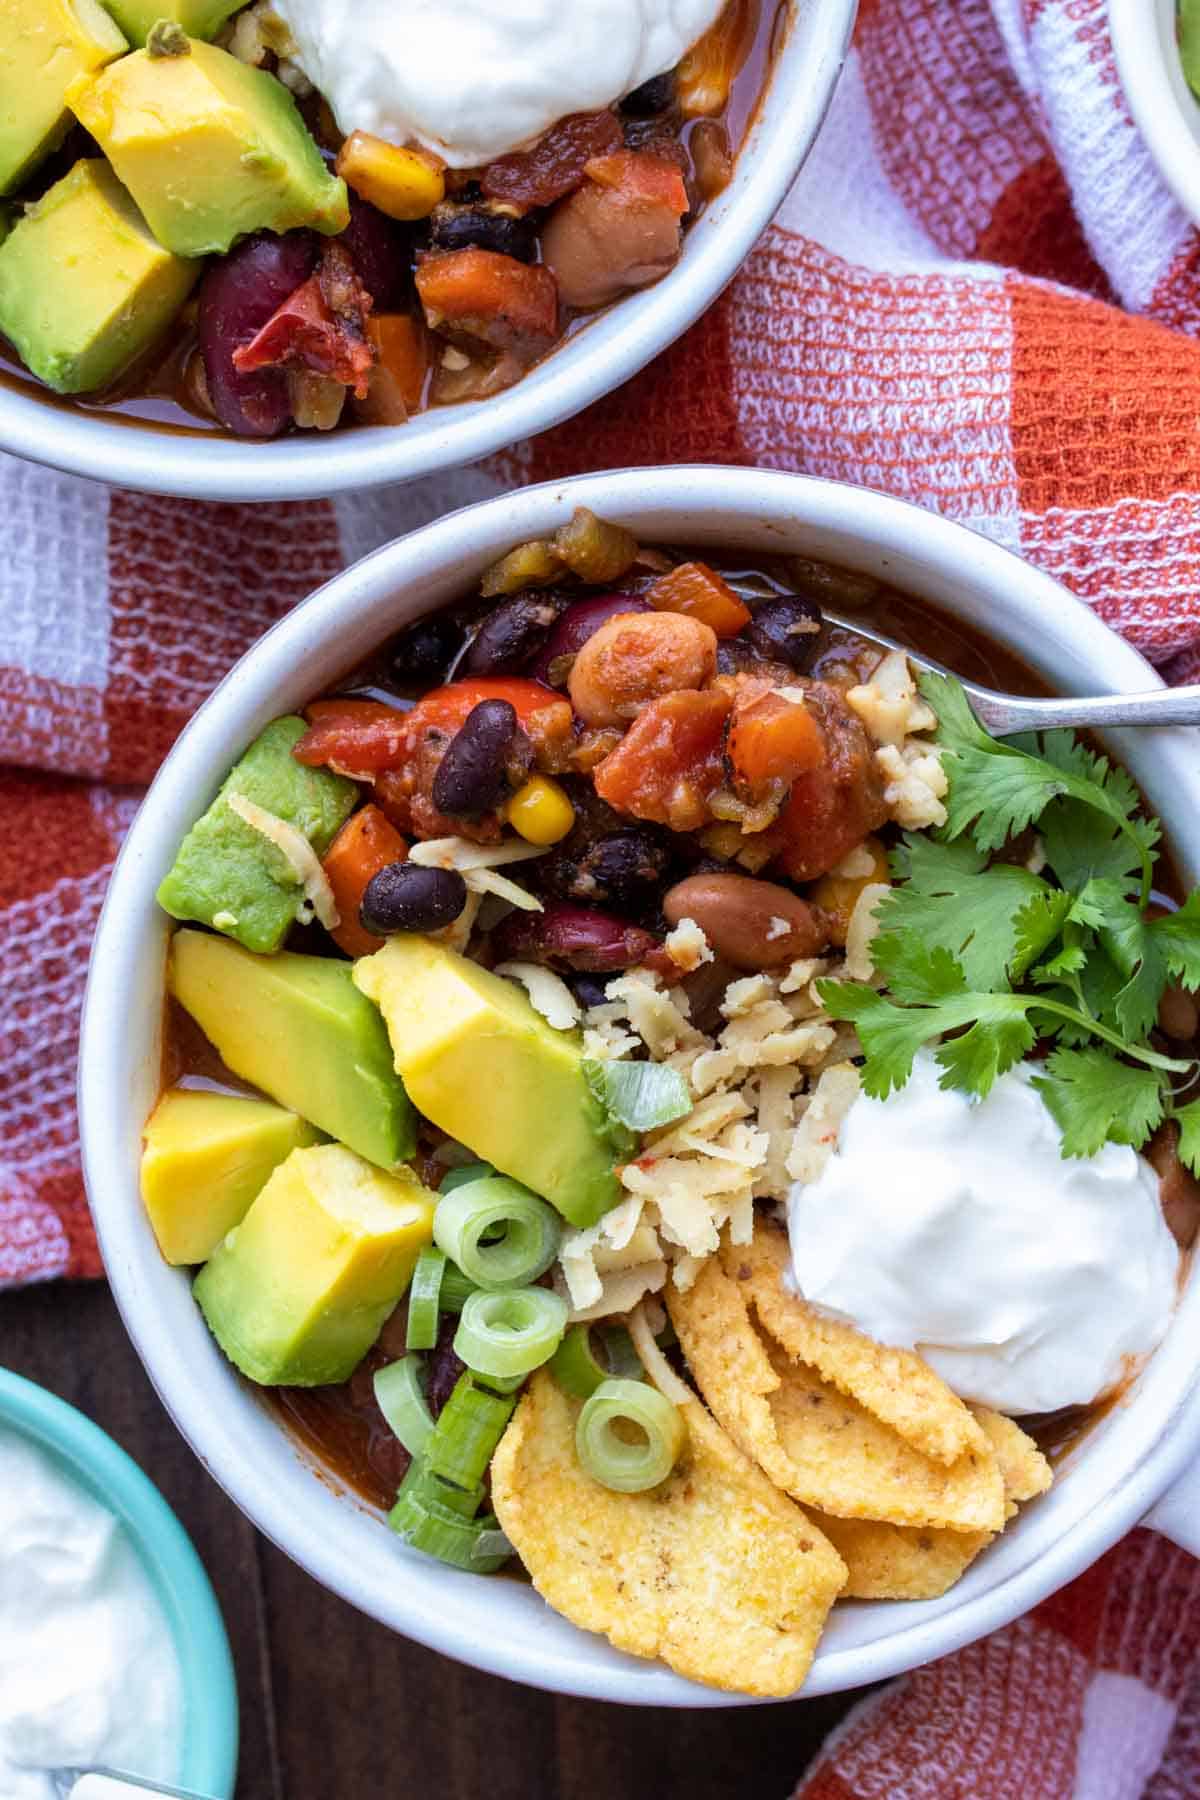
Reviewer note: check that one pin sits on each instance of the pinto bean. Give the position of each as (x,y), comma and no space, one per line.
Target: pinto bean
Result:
(751,924)
(636,658)
(1178,1016)
(1178,1189)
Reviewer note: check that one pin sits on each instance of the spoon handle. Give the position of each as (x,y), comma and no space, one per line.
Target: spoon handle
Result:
(1005,714)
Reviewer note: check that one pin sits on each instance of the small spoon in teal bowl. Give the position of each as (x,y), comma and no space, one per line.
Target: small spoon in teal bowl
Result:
(110,1784)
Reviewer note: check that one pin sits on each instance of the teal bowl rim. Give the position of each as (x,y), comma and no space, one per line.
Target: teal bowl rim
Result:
(210,1738)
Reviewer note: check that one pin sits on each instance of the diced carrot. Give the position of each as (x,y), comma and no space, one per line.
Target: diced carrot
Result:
(397,384)
(773,739)
(705,75)
(508,304)
(642,175)
(670,760)
(365,844)
(695,589)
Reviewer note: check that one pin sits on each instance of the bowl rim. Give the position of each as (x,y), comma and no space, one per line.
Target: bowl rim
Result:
(1157,92)
(1155,1439)
(208,1760)
(606,352)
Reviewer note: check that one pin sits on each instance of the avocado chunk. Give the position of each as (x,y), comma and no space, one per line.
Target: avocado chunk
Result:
(199,18)
(227,874)
(299,1291)
(206,1158)
(84,287)
(297,1028)
(485,1067)
(44,46)
(209,148)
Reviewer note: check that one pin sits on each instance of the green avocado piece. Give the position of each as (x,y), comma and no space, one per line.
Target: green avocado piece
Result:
(84,288)
(300,1290)
(209,148)
(199,18)
(485,1067)
(297,1028)
(227,874)
(44,46)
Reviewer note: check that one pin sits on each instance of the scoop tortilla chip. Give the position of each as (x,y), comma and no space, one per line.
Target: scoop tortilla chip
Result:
(715,1571)
(1025,1470)
(899,1562)
(819,1445)
(897,1386)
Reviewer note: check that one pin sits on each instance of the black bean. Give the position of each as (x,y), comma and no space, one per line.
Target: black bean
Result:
(475,227)
(653,97)
(626,865)
(589,990)
(512,634)
(443,1366)
(426,649)
(786,629)
(470,778)
(408,897)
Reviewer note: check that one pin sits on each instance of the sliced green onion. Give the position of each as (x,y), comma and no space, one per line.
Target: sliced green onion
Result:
(640,1095)
(423,1297)
(624,1363)
(498,1233)
(629,1467)
(456,1289)
(400,1394)
(469,1427)
(575,1365)
(426,1487)
(499,1384)
(465,1172)
(464,1543)
(512,1332)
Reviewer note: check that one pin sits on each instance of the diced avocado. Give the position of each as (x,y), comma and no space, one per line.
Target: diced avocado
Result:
(229,875)
(206,1158)
(199,18)
(297,1028)
(84,288)
(209,148)
(299,1291)
(485,1067)
(44,46)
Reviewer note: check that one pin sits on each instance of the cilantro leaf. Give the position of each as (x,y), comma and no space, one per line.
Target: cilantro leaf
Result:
(1036,926)
(995,1044)
(1178,937)
(1131,946)
(1096,1100)
(987,918)
(1188,1119)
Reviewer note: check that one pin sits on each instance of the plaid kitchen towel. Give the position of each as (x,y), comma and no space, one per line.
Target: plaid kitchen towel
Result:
(979,297)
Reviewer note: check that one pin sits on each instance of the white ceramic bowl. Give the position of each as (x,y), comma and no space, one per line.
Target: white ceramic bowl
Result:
(1164,108)
(607,351)
(1124,1464)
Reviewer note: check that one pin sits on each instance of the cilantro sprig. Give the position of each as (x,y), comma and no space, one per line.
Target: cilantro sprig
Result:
(984,958)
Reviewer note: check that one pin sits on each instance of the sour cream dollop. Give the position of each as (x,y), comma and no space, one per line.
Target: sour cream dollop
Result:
(1028,1280)
(473,79)
(89,1672)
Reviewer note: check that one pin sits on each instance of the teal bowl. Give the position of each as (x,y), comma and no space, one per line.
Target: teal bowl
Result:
(210,1736)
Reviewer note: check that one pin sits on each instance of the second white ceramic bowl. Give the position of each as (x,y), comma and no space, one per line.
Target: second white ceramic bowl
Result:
(209,465)
(1110,1480)
(1164,109)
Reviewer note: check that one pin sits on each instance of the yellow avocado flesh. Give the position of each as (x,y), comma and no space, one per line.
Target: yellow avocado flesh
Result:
(206,1158)
(297,1028)
(299,1291)
(45,45)
(485,1067)
(209,148)
(84,287)
(199,18)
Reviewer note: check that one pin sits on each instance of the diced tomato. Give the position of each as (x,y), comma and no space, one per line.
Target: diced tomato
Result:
(772,739)
(834,805)
(553,165)
(695,589)
(641,175)
(670,760)
(355,737)
(320,327)
(508,304)
(365,844)
(449,706)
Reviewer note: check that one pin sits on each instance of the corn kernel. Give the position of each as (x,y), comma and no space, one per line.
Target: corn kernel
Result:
(402,183)
(541,811)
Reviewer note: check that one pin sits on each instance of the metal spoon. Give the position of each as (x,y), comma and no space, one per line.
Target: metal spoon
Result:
(112,1784)
(1006,714)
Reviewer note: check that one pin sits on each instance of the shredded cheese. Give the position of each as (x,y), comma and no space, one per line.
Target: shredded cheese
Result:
(296,851)
(548,993)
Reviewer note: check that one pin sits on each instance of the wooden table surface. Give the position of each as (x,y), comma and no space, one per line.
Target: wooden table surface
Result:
(333,1706)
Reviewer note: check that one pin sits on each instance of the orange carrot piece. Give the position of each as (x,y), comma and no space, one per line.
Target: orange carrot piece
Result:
(397,385)
(773,739)
(365,844)
(695,589)
(509,304)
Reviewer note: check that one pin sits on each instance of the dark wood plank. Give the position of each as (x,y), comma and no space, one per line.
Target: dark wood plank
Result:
(333,1704)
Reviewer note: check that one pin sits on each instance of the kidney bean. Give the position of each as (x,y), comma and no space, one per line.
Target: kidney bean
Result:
(381,250)
(470,778)
(787,630)
(751,924)
(237,296)
(511,634)
(406,896)
(635,659)
(475,227)
(426,649)
(575,626)
(574,937)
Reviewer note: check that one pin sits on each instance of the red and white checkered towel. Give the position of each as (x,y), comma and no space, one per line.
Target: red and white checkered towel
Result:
(979,297)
